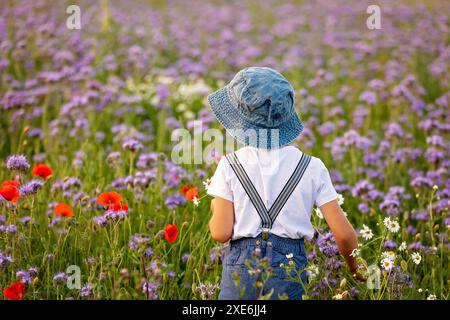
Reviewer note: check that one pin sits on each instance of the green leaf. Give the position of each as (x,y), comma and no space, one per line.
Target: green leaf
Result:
(404,265)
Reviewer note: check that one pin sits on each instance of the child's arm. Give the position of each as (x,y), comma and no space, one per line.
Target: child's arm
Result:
(222,220)
(343,233)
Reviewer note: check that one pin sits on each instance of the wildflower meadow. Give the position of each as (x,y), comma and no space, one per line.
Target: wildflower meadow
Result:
(106,151)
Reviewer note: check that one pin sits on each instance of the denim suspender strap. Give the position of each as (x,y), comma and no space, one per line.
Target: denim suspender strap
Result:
(268,216)
(250,190)
(289,187)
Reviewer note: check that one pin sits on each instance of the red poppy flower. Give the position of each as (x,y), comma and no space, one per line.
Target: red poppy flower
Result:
(191,194)
(184,189)
(109,198)
(171,233)
(42,170)
(63,210)
(14,183)
(189,191)
(15,291)
(10,191)
(118,207)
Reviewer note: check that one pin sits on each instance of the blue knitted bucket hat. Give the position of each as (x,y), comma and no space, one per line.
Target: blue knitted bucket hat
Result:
(257,108)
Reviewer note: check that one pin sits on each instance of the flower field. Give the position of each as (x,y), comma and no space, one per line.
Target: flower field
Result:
(93,204)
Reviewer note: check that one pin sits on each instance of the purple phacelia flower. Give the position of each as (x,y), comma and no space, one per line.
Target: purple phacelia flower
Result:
(59,278)
(132,144)
(24,276)
(5,260)
(368,97)
(390,244)
(25,219)
(33,271)
(138,241)
(100,221)
(175,201)
(185,257)
(327,244)
(150,290)
(87,290)
(17,162)
(148,252)
(10,229)
(70,183)
(31,188)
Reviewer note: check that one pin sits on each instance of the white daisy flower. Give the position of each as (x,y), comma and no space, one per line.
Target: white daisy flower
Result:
(318,213)
(355,253)
(340,199)
(388,255)
(312,271)
(206,183)
(165,80)
(154,100)
(196,201)
(431,297)
(181,107)
(387,264)
(402,247)
(339,296)
(416,257)
(391,225)
(366,233)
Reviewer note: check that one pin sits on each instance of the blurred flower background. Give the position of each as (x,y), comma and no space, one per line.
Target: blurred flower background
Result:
(86,118)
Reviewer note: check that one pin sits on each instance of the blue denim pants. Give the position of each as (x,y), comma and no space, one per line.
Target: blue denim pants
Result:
(278,250)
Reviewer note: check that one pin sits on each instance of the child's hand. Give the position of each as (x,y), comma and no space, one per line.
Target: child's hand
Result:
(358,276)
(358,273)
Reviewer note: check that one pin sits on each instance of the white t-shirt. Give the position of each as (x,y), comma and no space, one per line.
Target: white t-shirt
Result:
(269,170)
